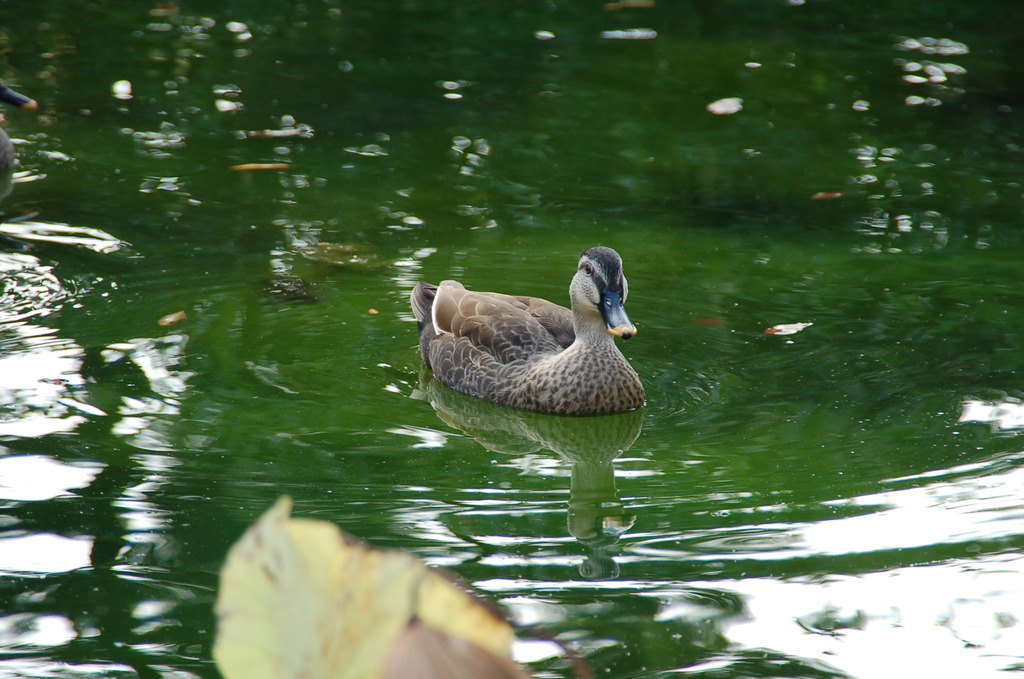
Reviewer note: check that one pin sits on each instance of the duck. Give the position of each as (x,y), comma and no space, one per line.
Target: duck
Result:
(532,354)
(9,96)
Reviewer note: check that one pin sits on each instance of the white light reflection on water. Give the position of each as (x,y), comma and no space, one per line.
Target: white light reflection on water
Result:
(42,553)
(428,438)
(145,520)
(979,507)
(1007,414)
(38,369)
(28,629)
(470,155)
(34,395)
(146,419)
(142,517)
(31,478)
(985,507)
(958,617)
(948,620)
(42,668)
(941,621)
(28,287)
(538,465)
(407,274)
(40,379)
(41,382)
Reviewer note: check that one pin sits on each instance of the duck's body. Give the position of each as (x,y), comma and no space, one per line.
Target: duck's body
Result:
(532,354)
(9,96)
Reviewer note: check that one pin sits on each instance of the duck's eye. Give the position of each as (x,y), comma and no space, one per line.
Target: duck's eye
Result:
(588,269)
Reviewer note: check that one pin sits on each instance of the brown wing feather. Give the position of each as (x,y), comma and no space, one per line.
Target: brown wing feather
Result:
(498,324)
(475,341)
(464,367)
(555,318)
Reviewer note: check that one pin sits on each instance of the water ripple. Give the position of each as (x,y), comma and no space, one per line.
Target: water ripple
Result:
(27,287)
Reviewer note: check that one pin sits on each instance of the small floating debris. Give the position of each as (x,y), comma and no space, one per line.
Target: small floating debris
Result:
(172,319)
(726,106)
(631,34)
(787,328)
(163,9)
(122,89)
(370,150)
(225,106)
(288,127)
(273,134)
(628,4)
(55,155)
(240,30)
(245,167)
(827,195)
(929,45)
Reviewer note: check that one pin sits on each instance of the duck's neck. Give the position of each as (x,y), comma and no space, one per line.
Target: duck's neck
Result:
(590,330)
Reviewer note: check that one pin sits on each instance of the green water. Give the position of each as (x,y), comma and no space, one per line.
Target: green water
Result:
(844,501)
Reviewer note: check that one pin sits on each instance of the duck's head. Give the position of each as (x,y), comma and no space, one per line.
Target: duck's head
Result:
(599,288)
(9,96)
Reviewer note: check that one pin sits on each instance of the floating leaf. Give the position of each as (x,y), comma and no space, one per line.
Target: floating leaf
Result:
(786,328)
(261,166)
(301,599)
(171,319)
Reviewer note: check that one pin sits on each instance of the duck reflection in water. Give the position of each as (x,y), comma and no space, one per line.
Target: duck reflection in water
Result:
(596,516)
